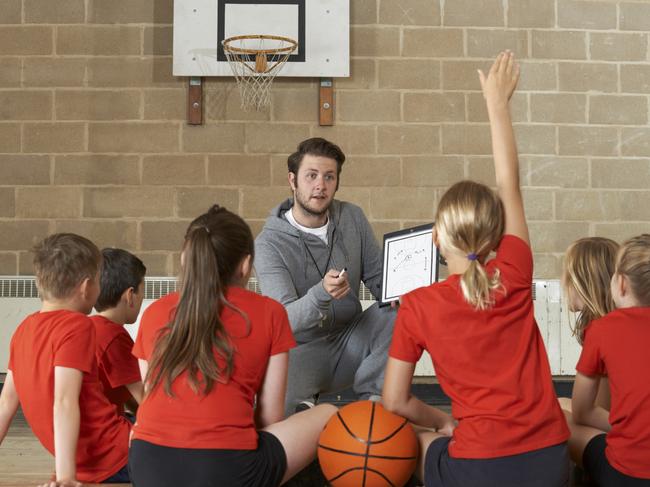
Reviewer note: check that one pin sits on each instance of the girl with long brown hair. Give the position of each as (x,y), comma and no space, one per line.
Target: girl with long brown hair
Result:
(588,269)
(506,427)
(214,358)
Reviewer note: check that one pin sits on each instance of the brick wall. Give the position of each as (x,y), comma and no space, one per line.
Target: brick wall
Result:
(93,136)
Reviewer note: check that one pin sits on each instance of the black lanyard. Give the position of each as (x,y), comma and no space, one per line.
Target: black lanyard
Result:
(329,257)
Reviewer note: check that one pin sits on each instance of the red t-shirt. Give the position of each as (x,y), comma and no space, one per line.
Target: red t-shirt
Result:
(67,339)
(224,418)
(116,364)
(491,363)
(617,346)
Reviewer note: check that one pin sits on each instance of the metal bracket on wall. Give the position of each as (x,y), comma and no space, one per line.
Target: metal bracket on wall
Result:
(326,102)
(195,101)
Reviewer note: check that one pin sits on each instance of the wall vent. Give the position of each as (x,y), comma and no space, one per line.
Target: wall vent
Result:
(154,287)
(18,287)
(20,298)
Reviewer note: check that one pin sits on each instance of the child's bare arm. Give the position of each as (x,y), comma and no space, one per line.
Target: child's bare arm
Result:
(8,404)
(397,397)
(583,403)
(137,391)
(270,397)
(498,86)
(144,370)
(67,387)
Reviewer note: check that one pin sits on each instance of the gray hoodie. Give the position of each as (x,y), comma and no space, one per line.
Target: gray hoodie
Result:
(287,272)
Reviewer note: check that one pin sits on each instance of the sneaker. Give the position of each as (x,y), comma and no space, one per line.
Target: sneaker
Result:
(303,406)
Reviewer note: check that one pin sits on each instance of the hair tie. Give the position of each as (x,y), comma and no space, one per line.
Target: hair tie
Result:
(207,230)
(472,257)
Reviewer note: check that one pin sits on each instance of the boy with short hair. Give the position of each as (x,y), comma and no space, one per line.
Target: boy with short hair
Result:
(119,302)
(53,369)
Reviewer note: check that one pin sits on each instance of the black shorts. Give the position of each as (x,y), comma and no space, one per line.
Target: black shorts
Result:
(597,466)
(546,467)
(160,466)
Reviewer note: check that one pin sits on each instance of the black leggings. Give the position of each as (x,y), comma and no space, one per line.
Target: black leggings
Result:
(160,466)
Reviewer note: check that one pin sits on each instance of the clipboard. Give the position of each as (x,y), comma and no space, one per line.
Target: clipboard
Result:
(410,261)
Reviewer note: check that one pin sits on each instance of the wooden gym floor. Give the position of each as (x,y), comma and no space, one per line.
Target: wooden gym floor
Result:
(24,462)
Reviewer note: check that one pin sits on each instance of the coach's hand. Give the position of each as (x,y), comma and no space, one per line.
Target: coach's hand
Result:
(335,284)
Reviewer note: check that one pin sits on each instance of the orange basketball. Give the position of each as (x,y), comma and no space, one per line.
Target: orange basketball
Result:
(363,445)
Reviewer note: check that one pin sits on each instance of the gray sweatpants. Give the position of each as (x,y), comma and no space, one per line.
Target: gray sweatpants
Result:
(356,356)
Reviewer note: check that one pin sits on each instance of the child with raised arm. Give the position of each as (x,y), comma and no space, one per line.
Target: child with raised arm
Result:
(614,446)
(119,302)
(587,272)
(215,359)
(53,369)
(506,426)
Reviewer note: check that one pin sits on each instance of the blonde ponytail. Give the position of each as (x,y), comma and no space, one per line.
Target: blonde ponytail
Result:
(470,222)
(479,288)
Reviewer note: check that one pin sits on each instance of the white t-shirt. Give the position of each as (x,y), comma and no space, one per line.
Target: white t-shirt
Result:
(320,232)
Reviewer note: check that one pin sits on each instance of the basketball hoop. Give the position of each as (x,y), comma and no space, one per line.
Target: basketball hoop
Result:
(255,61)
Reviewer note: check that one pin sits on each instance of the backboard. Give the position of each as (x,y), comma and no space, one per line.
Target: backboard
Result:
(321,28)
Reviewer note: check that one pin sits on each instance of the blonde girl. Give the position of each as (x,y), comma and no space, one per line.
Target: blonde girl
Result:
(614,446)
(506,426)
(586,276)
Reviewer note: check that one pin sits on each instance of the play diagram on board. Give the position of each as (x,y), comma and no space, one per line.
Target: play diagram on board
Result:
(410,261)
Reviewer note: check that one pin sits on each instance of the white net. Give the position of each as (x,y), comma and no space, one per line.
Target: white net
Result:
(255,61)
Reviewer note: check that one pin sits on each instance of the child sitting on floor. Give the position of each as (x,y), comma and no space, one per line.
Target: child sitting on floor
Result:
(588,269)
(53,370)
(479,328)
(614,446)
(215,359)
(119,302)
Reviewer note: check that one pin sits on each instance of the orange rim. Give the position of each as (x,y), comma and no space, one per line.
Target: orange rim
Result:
(238,50)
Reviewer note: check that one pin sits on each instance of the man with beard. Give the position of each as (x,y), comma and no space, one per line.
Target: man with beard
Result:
(311,256)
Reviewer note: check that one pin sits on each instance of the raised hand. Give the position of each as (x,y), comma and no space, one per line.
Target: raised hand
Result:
(498,87)
(501,81)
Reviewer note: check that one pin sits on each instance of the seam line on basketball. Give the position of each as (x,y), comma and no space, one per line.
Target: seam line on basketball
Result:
(359,468)
(382,476)
(365,462)
(391,435)
(351,453)
(347,428)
